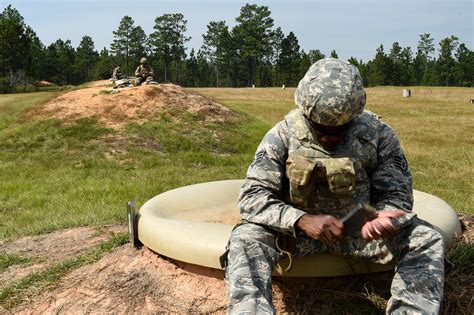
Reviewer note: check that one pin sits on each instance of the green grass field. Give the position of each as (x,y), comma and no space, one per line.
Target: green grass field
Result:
(55,175)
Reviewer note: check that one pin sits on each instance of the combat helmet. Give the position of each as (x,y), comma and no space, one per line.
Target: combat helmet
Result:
(331,93)
(143,60)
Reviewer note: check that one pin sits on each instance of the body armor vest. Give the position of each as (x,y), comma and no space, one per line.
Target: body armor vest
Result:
(142,71)
(324,181)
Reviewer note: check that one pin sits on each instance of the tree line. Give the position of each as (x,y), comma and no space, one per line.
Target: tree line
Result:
(253,52)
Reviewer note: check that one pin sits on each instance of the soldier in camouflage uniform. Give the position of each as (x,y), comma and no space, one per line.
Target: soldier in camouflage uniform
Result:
(325,157)
(143,73)
(117,73)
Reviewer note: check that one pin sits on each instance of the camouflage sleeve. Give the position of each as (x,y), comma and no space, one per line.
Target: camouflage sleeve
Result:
(391,181)
(137,71)
(260,199)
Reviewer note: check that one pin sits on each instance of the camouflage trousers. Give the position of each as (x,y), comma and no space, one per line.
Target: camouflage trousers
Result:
(417,251)
(140,80)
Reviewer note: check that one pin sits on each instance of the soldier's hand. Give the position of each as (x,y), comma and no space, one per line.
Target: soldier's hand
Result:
(325,228)
(382,226)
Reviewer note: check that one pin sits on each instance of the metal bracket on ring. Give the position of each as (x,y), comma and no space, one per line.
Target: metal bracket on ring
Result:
(133,225)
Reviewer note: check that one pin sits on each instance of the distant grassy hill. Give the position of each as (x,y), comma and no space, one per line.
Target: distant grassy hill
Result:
(55,175)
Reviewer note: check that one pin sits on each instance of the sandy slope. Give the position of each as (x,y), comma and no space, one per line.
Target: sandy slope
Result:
(134,104)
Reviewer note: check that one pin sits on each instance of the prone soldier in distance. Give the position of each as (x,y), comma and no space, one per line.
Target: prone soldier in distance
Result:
(325,158)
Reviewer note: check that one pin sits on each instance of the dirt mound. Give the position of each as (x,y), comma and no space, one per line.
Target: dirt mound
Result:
(116,108)
(103,83)
(125,280)
(128,280)
(131,281)
(44,83)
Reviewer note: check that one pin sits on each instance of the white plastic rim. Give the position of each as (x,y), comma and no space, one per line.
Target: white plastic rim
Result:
(193,224)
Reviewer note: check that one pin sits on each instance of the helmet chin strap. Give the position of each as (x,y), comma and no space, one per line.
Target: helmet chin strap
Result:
(331,131)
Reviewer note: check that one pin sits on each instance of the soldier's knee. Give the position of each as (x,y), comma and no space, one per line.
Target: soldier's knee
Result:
(424,234)
(436,235)
(252,233)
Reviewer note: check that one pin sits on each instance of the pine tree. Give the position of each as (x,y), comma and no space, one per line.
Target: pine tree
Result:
(205,74)
(161,40)
(289,58)
(407,75)
(395,56)
(276,40)
(66,58)
(425,49)
(104,65)
(217,46)
(168,41)
(305,63)
(191,78)
(51,66)
(315,55)
(13,41)
(59,62)
(446,61)
(253,34)
(86,57)
(33,59)
(379,68)
(465,66)
(138,43)
(121,45)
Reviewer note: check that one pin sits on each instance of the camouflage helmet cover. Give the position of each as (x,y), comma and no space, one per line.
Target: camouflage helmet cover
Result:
(331,93)
(143,60)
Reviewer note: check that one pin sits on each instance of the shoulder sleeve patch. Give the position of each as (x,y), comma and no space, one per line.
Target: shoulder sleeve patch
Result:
(400,162)
(259,156)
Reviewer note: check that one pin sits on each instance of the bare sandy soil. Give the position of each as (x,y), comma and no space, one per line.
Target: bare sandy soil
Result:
(128,280)
(47,250)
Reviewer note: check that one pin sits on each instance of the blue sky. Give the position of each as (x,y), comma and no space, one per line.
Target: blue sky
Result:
(352,28)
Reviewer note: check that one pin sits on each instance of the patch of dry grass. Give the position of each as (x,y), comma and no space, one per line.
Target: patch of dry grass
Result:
(268,104)
(436,127)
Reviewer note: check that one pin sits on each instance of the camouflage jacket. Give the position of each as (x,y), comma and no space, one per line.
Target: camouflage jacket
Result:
(143,72)
(382,177)
(117,74)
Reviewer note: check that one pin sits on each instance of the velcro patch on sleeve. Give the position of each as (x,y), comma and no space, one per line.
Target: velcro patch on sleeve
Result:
(259,156)
(400,162)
